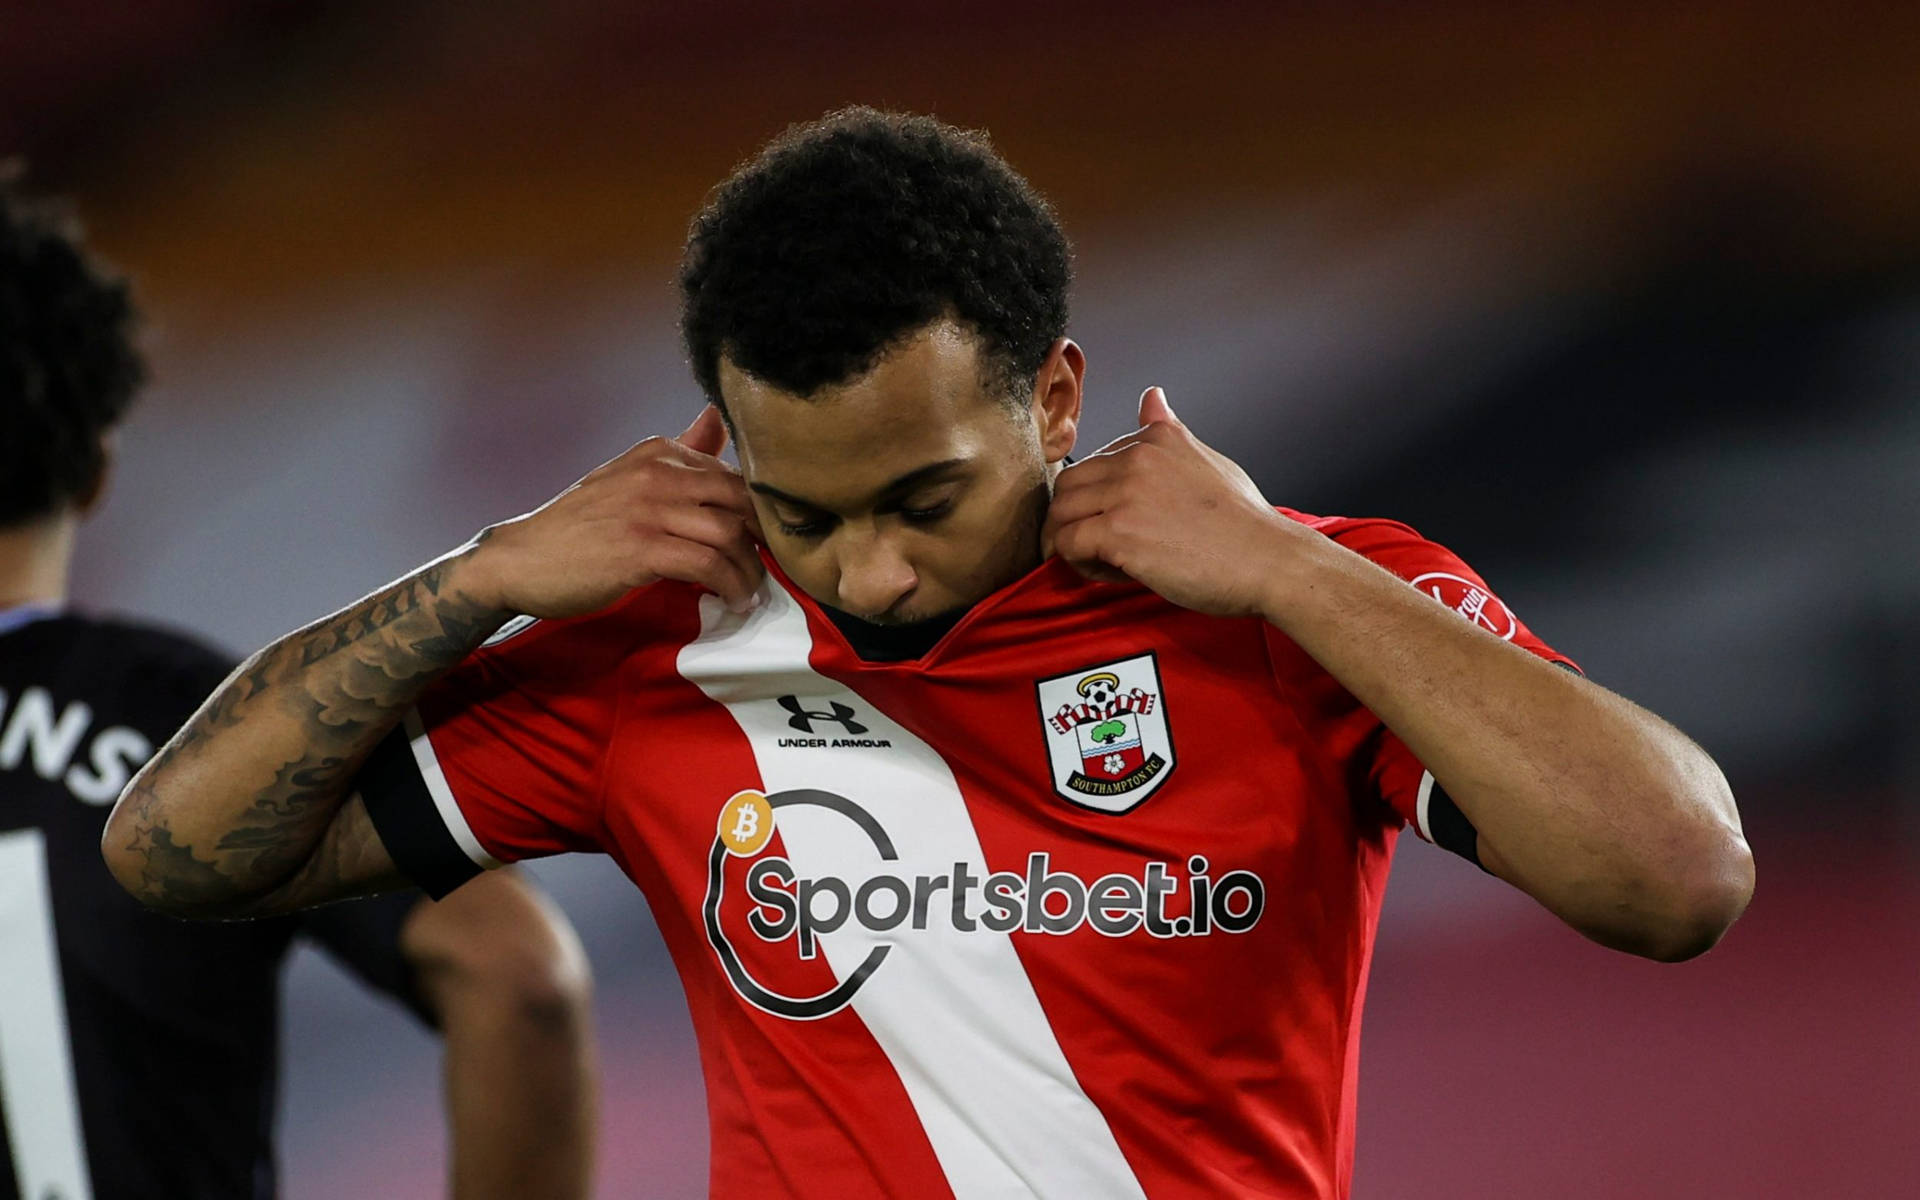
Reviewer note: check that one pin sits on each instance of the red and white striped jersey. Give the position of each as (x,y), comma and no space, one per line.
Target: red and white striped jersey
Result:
(1078,904)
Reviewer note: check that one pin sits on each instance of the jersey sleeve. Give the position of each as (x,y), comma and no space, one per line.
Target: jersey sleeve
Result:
(1378,765)
(501,759)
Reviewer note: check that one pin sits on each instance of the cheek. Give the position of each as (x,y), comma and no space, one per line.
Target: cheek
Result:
(984,548)
(810,568)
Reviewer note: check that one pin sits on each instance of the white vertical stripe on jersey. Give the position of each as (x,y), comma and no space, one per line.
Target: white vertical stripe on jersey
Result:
(1420,804)
(954,1012)
(436,781)
(41,1113)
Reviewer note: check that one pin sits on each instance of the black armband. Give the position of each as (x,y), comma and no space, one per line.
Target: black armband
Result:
(409,825)
(1449,827)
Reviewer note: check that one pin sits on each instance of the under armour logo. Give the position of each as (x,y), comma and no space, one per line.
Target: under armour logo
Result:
(803,719)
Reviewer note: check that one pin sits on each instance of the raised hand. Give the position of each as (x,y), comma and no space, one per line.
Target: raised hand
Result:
(1160,507)
(668,508)
(246,810)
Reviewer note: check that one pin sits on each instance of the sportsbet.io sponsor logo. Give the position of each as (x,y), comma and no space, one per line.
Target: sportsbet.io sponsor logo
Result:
(786,912)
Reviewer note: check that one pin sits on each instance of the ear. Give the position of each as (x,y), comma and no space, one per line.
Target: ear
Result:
(1056,400)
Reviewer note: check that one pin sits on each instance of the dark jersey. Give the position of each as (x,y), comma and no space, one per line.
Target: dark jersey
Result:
(137,1052)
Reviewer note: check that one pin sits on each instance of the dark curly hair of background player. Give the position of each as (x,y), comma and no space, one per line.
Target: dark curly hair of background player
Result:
(68,364)
(848,232)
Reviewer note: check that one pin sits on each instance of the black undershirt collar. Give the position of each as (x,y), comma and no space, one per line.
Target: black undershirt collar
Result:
(891,643)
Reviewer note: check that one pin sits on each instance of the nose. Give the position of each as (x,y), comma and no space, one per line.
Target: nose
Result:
(874,575)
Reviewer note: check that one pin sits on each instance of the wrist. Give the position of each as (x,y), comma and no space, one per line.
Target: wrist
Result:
(471,574)
(1292,558)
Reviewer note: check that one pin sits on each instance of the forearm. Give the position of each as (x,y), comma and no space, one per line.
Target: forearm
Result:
(1604,813)
(242,811)
(237,804)
(519,1098)
(509,983)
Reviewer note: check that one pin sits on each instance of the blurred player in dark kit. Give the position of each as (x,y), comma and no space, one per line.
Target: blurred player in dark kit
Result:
(138,1053)
(1018,828)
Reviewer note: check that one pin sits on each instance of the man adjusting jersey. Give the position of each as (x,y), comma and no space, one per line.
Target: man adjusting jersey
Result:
(1090,849)
(1017,827)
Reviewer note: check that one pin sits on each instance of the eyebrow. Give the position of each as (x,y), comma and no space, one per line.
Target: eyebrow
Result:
(900,486)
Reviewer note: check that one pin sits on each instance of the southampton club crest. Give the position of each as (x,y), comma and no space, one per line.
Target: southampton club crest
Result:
(1107,738)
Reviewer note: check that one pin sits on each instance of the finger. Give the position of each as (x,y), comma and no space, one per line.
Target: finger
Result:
(651,454)
(641,452)
(704,565)
(1126,441)
(707,434)
(752,518)
(709,481)
(702,523)
(722,529)
(1098,470)
(1081,544)
(1154,409)
(1076,500)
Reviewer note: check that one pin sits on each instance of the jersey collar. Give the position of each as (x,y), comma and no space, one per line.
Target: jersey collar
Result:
(25,614)
(924,642)
(891,643)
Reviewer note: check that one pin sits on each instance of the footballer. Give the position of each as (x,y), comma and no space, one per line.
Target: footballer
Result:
(139,1055)
(1018,827)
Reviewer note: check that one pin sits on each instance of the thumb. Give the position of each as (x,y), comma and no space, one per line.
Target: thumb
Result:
(1155,409)
(707,434)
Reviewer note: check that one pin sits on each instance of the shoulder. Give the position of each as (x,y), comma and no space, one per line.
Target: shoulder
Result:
(1358,534)
(123,672)
(138,652)
(528,649)
(1392,544)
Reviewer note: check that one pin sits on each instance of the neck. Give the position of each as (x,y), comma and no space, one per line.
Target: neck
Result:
(35,556)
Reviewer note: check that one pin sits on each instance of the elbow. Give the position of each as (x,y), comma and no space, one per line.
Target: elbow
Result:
(144,859)
(1701,899)
(496,948)
(542,992)
(1700,880)
(126,846)
(550,994)
(123,865)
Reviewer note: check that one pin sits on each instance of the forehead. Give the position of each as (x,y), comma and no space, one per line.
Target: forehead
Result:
(922,403)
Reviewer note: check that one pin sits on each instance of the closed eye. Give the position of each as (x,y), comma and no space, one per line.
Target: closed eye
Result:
(928,515)
(817,527)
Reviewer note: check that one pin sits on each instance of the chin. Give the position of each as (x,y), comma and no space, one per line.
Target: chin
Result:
(902,620)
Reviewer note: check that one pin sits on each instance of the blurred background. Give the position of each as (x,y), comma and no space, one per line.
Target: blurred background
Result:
(1621,302)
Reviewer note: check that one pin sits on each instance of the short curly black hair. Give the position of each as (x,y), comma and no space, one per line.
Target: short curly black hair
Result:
(848,233)
(68,364)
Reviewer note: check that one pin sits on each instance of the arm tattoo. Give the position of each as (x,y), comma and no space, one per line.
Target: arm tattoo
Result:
(316,701)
